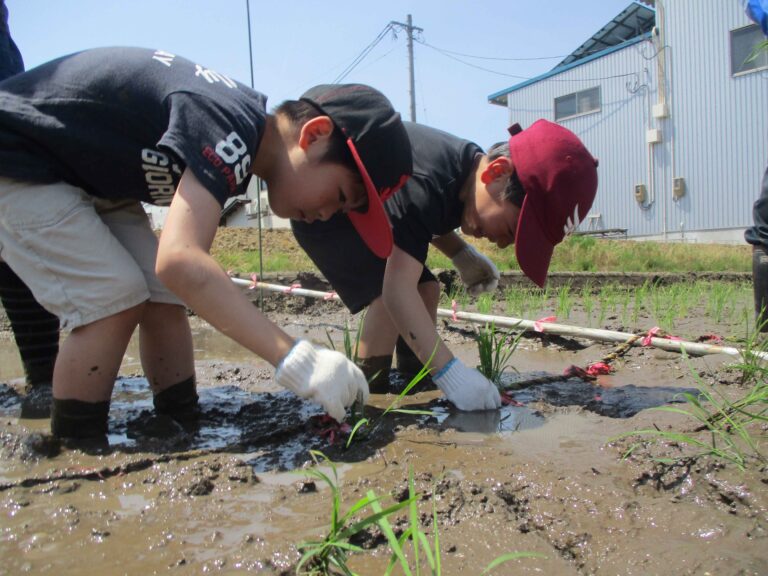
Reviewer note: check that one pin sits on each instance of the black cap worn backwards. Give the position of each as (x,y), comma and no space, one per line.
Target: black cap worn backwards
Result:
(380,146)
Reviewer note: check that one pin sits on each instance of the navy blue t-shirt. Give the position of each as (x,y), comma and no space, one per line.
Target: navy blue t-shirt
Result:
(429,205)
(126,122)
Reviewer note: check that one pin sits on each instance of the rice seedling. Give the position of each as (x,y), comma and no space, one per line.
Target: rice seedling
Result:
(719,296)
(420,542)
(626,297)
(640,295)
(485,303)
(394,406)
(587,301)
(458,294)
(726,422)
(320,557)
(564,301)
(514,299)
(330,555)
(495,350)
(753,364)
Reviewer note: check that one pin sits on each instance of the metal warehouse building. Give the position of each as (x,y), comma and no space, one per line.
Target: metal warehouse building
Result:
(664,97)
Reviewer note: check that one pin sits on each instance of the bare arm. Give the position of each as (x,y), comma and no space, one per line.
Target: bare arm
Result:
(406,308)
(185,266)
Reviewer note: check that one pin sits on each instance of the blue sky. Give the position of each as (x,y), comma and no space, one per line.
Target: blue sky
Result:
(300,43)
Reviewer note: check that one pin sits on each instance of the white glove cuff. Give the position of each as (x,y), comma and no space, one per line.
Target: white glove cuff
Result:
(295,370)
(464,257)
(447,379)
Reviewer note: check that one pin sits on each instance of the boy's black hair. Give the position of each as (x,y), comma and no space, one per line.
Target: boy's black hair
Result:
(299,112)
(514,192)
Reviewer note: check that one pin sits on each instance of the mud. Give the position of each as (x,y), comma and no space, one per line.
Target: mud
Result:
(542,475)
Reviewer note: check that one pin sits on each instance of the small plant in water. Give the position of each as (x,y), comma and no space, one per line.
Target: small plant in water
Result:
(495,349)
(485,303)
(726,421)
(329,555)
(362,421)
(320,557)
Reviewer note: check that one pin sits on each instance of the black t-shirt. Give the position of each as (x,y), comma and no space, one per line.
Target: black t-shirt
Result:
(126,122)
(428,205)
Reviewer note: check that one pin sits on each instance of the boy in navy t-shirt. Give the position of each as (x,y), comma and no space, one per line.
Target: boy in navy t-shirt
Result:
(86,138)
(529,192)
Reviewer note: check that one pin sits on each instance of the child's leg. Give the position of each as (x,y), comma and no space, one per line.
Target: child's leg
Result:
(36,332)
(166,345)
(376,346)
(165,339)
(54,239)
(168,360)
(90,356)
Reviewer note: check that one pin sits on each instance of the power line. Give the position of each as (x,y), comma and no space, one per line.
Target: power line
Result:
(517,76)
(445,51)
(360,57)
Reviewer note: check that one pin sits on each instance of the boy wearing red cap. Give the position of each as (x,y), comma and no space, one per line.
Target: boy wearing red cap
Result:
(86,138)
(531,193)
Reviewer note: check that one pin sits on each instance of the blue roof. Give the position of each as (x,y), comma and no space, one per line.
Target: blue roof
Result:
(497,97)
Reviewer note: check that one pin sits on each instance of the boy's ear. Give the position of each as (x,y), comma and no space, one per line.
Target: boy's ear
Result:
(501,167)
(313,130)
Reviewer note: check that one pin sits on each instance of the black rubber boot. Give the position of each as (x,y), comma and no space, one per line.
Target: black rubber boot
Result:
(37,337)
(36,404)
(179,401)
(376,371)
(760,285)
(78,419)
(408,365)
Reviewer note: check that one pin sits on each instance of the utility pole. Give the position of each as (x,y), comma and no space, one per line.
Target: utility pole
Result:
(409,29)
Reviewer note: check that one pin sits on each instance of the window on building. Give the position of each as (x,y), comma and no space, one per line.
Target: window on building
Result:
(743,43)
(578,103)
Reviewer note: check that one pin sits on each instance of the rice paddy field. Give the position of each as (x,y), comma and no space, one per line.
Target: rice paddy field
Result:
(641,455)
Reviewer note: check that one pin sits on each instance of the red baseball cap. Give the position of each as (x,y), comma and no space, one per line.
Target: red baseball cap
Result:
(380,146)
(559,177)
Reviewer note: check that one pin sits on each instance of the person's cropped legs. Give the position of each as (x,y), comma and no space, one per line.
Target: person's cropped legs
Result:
(36,332)
(165,342)
(758,237)
(358,278)
(165,338)
(52,236)
(376,345)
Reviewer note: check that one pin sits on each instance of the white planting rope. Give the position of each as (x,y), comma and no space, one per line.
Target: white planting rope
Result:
(695,348)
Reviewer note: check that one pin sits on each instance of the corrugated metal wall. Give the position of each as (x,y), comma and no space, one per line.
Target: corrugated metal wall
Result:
(720,121)
(716,137)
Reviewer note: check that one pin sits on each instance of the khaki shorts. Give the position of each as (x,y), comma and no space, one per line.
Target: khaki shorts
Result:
(83,258)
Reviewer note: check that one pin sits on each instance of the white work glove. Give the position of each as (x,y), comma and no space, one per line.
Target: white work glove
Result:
(322,375)
(466,387)
(477,271)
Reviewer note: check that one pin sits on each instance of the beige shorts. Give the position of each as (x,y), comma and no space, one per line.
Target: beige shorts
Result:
(83,258)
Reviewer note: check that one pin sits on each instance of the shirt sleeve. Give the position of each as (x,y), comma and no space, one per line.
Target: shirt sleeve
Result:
(216,141)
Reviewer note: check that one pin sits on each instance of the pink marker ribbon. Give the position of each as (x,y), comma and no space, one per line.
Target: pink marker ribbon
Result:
(599,369)
(655,332)
(454,307)
(254,281)
(538,325)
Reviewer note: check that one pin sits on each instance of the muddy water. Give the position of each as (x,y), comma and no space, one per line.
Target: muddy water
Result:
(229,497)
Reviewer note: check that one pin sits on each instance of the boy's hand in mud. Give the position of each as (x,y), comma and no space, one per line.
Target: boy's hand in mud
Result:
(322,375)
(466,387)
(476,270)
